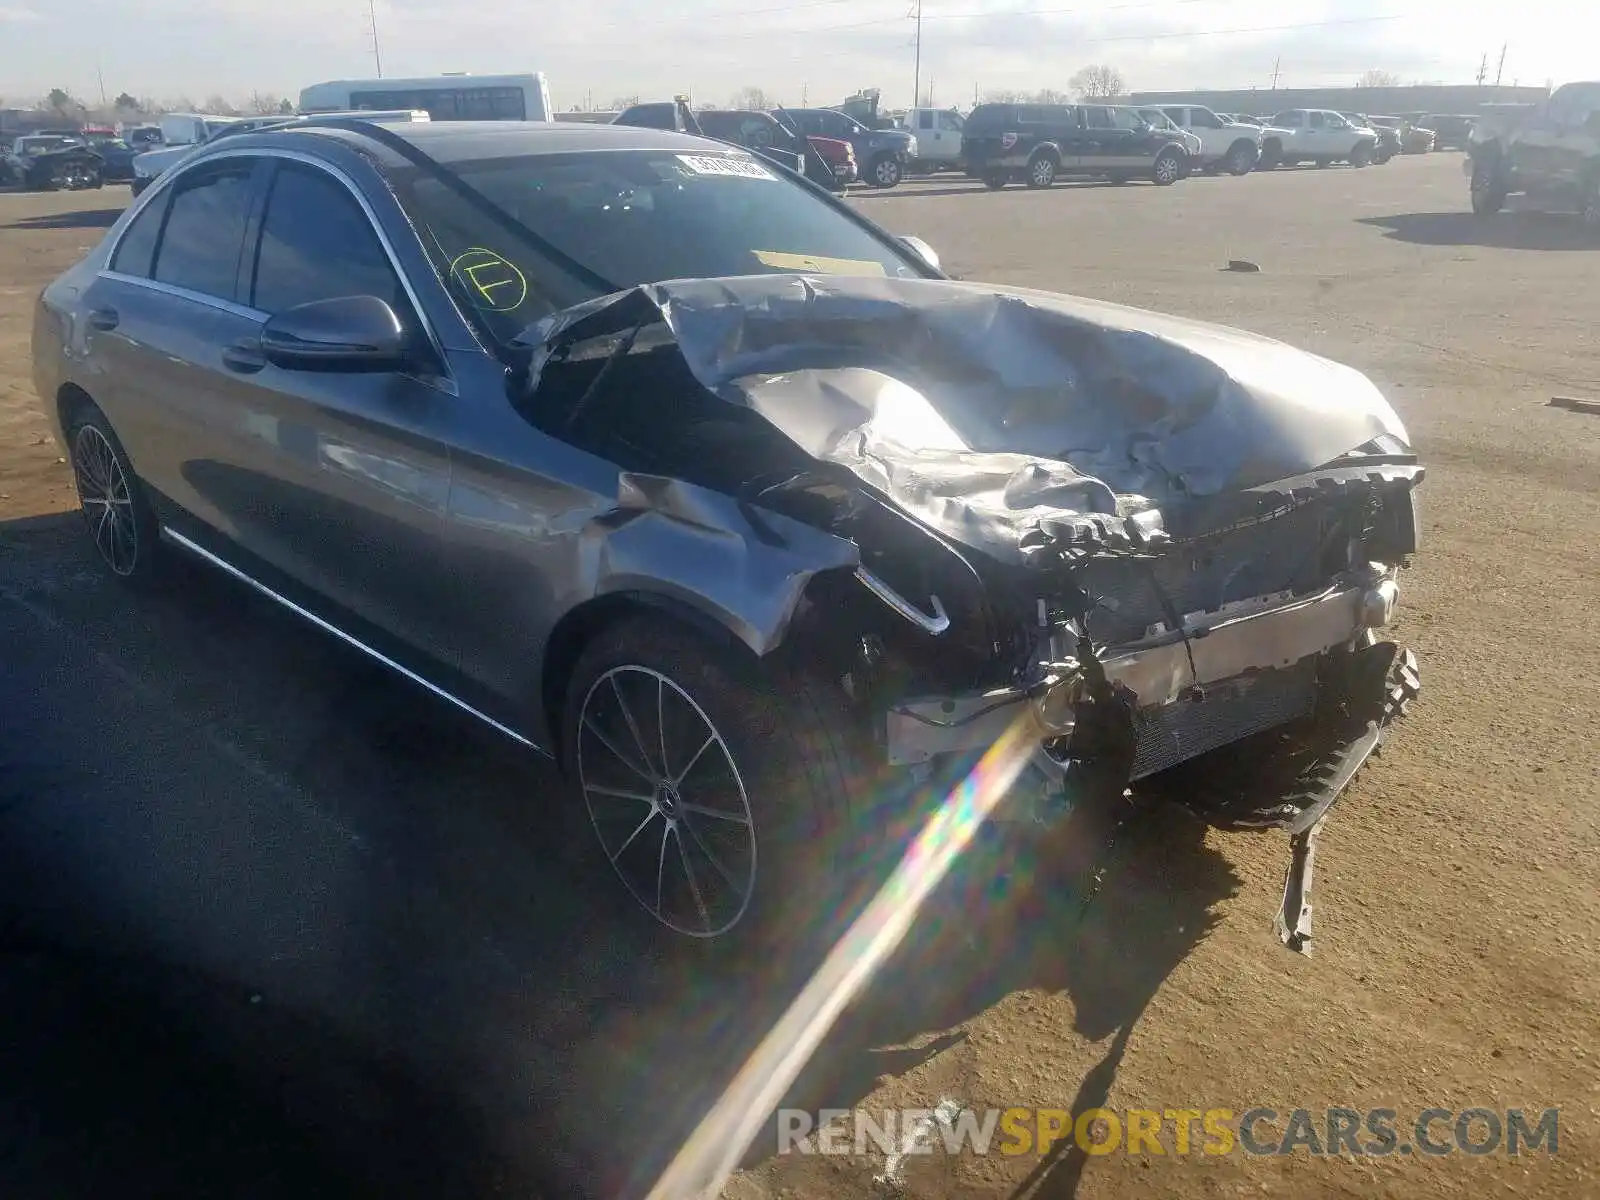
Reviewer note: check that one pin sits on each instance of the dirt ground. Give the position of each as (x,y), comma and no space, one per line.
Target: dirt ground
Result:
(1457,919)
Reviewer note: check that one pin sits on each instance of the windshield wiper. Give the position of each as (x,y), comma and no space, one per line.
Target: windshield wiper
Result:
(455,183)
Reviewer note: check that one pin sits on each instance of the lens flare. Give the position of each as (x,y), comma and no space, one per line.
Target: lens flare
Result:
(713,1151)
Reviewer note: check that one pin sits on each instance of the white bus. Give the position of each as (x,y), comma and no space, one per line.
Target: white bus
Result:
(442,97)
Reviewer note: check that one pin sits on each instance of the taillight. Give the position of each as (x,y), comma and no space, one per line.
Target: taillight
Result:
(850,154)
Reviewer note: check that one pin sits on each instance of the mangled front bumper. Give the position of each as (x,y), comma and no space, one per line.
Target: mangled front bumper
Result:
(1254,649)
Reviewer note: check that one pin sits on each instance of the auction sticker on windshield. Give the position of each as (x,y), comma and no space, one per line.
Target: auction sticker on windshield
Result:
(721,164)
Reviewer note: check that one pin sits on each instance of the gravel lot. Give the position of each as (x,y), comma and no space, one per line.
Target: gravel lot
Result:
(277,926)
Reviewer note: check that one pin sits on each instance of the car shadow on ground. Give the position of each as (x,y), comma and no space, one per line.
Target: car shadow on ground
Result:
(1503,231)
(907,192)
(1028,915)
(428,942)
(93,218)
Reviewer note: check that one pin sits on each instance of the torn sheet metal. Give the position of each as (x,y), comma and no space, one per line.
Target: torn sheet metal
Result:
(983,411)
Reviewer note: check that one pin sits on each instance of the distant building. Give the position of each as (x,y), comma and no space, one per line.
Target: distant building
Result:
(1423,98)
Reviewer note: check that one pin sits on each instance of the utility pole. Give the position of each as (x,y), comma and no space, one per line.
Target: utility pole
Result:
(803,103)
(1277,62)
(1500,70)
(916,79)
(1483,69)
(101,76)
(377,53)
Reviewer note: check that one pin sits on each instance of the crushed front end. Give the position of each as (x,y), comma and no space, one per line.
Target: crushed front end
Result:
(1172,548)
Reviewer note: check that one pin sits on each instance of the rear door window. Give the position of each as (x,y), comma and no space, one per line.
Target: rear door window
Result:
(136,253)
(204,233)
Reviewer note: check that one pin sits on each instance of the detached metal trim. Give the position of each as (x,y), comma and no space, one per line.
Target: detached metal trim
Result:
(935,624)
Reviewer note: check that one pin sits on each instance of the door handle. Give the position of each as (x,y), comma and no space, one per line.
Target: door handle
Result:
(245,358)
(103,319)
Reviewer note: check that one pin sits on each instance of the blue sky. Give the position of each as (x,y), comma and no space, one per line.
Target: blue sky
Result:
(818,50)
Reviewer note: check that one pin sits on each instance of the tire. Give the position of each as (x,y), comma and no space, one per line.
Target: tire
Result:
(762,741)
(1168,169)
(1116,178)
(885,171)
(1240,159)
(1591,205)
(1361,156)
(1042,171)
(1488,188)
(995,182)
(1271,155)
(122,526)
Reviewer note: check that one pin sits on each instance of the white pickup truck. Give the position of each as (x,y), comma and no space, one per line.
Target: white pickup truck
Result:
(1317,135)
(938,132)
(1225,144)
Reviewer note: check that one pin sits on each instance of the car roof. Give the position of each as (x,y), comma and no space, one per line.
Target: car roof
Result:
(456,141)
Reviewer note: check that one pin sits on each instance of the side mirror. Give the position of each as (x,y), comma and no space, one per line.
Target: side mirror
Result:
(347,333)
(923,251)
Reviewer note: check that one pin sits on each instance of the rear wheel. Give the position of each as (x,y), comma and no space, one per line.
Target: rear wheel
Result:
(1168,168)
(1241,157)
(723,792)
(120,521)
(1041,171)
(1591,204)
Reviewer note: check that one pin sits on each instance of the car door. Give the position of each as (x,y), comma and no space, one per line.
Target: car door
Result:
(161,315)
(338,480)
(952,136)
(926,131)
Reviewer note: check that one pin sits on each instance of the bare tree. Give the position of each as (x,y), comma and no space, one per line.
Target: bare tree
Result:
(126,103)
(750,98)
(1051,96)
(1098,82)
(264,103)
(622,102)
(61,102)
(219,106)
(1003,96)
(1376,78)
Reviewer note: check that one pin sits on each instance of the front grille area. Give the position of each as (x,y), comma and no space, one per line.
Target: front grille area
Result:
(1277,555)
(1231,710)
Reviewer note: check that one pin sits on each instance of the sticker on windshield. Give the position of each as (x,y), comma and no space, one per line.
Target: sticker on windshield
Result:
(723,164)
(817,264)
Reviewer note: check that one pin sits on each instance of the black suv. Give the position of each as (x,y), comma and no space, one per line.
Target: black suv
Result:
(1036,142)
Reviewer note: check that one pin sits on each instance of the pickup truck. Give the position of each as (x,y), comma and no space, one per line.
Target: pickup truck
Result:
(1225,144)
(1038,142)
(938,132)
(1550,155)
(1316,135)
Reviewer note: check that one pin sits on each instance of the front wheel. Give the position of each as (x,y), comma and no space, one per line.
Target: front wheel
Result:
(1271,156)
(1488,189)
(1591,205)
(1361,156)
(722,790)
(113,502)
(1041,171)
(886,171)
(1168,169)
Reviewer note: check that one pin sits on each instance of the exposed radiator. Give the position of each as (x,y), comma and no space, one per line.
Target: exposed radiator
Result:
(1232,709)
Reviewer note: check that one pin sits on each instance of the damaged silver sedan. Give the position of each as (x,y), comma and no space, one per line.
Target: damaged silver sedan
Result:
(671,465)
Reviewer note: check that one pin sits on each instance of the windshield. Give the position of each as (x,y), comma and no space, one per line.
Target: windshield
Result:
(623,218)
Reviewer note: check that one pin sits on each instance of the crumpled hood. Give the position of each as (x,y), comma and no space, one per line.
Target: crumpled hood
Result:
(982,409)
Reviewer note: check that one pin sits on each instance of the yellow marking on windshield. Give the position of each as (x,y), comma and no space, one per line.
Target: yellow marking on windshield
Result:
(498,284)
(785,261)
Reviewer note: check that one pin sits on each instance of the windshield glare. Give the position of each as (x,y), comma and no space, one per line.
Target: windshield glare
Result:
(626,218)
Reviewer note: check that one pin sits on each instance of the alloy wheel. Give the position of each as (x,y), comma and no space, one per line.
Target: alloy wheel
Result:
(1044,172)
(106,499)
(667,801)
(887,172)
(1167,168)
